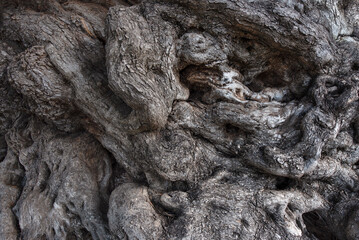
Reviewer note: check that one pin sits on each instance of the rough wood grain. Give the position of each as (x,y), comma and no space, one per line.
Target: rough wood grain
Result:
(179,119)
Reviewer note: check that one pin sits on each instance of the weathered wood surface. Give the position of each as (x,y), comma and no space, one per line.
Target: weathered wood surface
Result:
(179,119)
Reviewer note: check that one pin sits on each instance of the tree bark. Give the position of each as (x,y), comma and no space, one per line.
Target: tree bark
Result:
(179,119)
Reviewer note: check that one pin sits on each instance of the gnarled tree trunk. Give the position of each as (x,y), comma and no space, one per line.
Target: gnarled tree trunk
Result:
(179,119)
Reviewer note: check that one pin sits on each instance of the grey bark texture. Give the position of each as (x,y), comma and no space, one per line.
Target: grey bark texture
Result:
(179,119)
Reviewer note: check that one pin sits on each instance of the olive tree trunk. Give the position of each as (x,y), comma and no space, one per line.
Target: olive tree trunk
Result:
(179,119)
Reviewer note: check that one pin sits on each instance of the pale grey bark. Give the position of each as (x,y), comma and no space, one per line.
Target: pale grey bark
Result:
(179,119)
